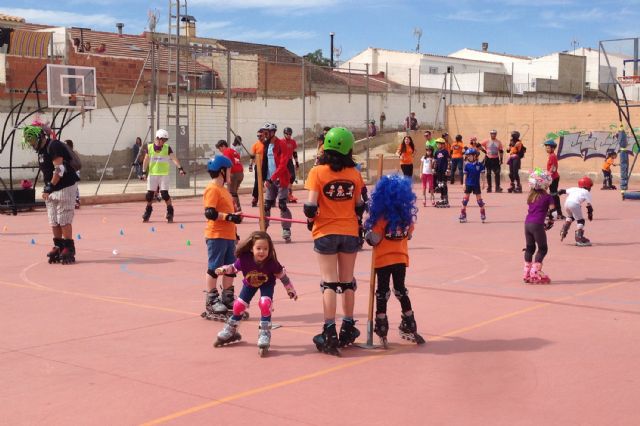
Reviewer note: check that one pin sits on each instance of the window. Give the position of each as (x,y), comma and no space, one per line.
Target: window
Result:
(433,70)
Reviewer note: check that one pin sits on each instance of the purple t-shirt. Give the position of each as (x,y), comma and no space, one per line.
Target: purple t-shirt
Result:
(255,274)
(538,209)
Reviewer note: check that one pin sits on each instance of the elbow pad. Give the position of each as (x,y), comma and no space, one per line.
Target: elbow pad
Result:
(60,169)
(310,210)
(210,213)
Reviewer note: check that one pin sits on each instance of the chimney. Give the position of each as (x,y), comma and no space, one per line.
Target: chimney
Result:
(189,25)
(120,26)
(485,46)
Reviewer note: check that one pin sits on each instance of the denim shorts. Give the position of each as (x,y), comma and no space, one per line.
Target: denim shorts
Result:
(333,244)
(221,252)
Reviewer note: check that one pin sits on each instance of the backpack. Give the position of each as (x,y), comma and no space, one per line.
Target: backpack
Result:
(74,162)
(522,151)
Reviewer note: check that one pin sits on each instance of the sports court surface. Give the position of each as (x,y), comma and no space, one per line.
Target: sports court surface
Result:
(118,339)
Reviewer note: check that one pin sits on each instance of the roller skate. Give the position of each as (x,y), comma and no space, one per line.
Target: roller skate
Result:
(223,307)
(327,341)
(463,216)
(348,333)
(498,189)
(54,254)
(511,188)
(518,189)
(211,299)
(565,230)
(442,204)
(264,338)
(169,215)
(286,235)
(581,240)
(526,276)
(483,215)
(408,329)
(147,213)
(228,334)
(536,276)
(68,253)
(381,328)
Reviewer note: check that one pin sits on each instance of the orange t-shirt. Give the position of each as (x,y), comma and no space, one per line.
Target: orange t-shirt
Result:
(515,149)
(607,164)
(220,199)
(257,148)
(457,150)
(393,247)
(337,196)
(406,157)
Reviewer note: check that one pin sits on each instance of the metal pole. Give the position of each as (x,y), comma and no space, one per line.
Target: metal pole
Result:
(304,139)
(450,71)
(511,100)
(367,121)
(583,72)
(408,124)
(228,96)
(635,56)
(177,70)
(331,35)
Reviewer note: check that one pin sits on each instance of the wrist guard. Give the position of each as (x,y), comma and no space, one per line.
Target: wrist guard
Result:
(235,218)
(48,188)
(310,210)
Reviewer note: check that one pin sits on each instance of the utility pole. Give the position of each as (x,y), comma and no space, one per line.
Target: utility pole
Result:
(331,35)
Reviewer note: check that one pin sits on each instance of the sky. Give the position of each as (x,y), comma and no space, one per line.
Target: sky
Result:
(521,27)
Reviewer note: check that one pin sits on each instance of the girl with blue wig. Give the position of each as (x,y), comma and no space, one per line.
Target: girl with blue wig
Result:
(389,227)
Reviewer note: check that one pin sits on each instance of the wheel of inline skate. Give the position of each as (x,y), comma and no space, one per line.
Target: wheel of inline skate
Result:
(263,352)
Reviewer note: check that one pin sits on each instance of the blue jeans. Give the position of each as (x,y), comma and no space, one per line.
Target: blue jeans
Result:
(456,163)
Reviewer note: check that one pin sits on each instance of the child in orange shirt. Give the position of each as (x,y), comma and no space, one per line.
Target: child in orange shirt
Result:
(390,225)
(606,170)
(220,235)
(457,155)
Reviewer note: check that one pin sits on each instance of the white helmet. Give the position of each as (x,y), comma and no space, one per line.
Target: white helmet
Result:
(162,134)
(270,126)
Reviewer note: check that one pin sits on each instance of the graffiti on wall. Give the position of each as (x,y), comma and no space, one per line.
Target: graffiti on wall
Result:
(585,145)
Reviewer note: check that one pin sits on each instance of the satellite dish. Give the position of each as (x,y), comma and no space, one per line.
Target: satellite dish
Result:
(417,33)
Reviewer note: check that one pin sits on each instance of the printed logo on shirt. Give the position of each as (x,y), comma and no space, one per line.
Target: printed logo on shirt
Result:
(339,190)
(256,278)
(398,234)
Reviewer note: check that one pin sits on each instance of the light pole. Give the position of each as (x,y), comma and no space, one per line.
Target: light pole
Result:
(331,35)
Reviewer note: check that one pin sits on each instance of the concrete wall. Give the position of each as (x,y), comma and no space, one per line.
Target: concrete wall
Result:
(534,122)
(3,68)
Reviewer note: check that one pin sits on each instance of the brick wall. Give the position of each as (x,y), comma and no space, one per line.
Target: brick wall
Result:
(279,79)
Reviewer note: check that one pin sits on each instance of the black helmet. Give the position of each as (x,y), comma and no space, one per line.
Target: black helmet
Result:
(515,135)
(287,131)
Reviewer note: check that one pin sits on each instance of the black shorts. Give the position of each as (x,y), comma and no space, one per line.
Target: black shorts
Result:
(472,189)
(333,244)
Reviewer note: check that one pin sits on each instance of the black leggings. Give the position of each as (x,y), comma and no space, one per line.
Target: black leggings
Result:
(398,272)
(441,177)
(407,170)
(493,166)
(534,233)
(514,170)
(553,189)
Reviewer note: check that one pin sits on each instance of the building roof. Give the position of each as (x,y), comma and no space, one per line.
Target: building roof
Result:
(8,18)
(130,46)
(501,54)
(430,55)
(269,52)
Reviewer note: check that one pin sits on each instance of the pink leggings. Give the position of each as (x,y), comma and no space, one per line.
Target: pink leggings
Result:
(427,180)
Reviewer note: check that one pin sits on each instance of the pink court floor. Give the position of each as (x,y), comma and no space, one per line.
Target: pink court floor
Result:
(118,338)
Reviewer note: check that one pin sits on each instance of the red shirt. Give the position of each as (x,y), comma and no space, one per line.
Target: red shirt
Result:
(292,145)
(234,156)
(552,166)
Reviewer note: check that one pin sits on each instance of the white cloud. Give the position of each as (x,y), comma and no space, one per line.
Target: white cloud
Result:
(65,19)
(211,25)
(484,16)
(262,36)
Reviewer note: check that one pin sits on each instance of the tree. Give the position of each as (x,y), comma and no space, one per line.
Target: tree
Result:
(317,58)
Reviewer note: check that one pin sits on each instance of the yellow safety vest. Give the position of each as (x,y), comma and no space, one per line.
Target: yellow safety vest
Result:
(159,161)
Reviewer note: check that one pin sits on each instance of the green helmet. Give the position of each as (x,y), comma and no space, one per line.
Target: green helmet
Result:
(31,135)
(338,139)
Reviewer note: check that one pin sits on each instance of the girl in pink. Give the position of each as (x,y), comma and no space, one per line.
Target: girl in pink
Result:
(427,175)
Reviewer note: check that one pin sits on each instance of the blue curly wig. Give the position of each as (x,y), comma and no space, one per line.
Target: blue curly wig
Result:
(393,200)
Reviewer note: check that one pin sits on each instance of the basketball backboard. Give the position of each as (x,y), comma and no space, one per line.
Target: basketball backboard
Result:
(71,87)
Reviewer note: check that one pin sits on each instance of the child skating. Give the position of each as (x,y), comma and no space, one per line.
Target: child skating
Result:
(389,227)
(442,172)
(220,235)
(539,219)
(256,259)
(610,161)
(428,165)
(552,171)
(573,208)
(472,172)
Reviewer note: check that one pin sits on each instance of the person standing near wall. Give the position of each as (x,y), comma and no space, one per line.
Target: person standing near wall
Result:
(411,122)
(494,152)
(457,154)
(237,172)
(156,161)
(256,148)
(406,151)
(292,146)
(59,193)
(515,154)
(275,176)
(429,140)
(137,160)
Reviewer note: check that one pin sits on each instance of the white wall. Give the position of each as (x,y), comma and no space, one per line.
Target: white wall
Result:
(3,68)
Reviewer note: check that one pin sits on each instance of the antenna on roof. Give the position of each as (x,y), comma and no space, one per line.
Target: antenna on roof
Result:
(417,33)
(337,51)
(152,19)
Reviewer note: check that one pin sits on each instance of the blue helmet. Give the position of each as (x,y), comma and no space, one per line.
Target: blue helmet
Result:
(551,143)
(471,151)
(218,162)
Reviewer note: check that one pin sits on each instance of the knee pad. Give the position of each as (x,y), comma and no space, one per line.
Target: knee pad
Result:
(329,286)
(265,306)
(165,195)
(239,306)
(268,204)
(481,203)
(212,273)
(465,201)
(581,223)
(149,196)
(385,295)
(282,204)
(400,293)
(353,285)
(230,275)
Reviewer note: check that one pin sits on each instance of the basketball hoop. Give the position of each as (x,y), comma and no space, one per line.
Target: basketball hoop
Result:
(628,80)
